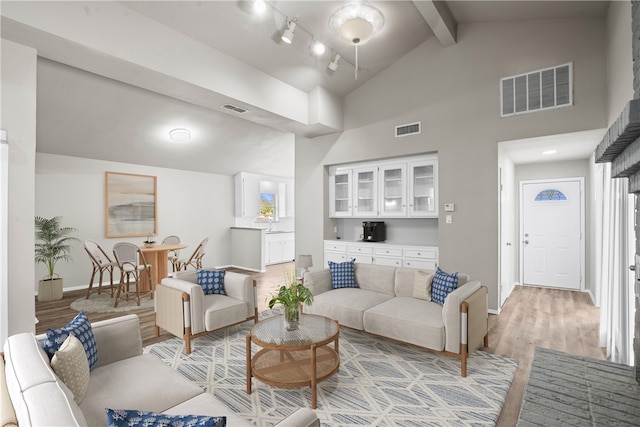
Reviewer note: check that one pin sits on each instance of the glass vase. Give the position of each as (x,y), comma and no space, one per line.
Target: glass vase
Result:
(292,317)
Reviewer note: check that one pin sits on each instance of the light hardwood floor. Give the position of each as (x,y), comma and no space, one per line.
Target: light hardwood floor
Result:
(560,320)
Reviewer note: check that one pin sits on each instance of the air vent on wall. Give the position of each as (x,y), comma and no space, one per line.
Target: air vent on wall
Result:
(537,90)
(234,108)
(406,130)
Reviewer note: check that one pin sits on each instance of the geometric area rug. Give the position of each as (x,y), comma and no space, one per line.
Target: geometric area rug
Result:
(379,383)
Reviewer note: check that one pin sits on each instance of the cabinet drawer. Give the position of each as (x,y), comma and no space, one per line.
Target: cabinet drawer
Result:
(334,257)
(335,246)
(392,262)
(422,253)
(361,250)
(389,251)
(419,263)
(360,258)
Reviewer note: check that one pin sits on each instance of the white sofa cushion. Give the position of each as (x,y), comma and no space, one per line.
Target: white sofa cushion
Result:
(379,278)
(222,310)
(408,319)
(207,404)
(141,382)
(346,305)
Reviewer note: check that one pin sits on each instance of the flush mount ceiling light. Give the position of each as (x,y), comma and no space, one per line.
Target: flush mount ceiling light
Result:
(548,152)
(356,23)
(287,34)
(180,135)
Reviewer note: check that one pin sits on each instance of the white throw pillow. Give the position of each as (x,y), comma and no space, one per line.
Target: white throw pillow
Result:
(72,367)
(422,285)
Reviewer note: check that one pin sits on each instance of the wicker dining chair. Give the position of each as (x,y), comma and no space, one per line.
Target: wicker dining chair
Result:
(195,260)
(172,255)
(133,270)
(101,263)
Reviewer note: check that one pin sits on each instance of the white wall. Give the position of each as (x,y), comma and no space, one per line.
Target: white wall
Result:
(191,205)
(454,91)
(18,117)
(619,58)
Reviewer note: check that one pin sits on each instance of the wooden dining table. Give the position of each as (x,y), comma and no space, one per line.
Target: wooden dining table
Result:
(157,256)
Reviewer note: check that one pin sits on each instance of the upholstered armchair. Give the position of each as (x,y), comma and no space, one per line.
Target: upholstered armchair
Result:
(184,310)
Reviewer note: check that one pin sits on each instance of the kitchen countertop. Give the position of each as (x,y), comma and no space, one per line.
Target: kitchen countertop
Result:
(262,229)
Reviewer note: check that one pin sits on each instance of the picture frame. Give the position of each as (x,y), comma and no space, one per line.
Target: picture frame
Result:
(131,205)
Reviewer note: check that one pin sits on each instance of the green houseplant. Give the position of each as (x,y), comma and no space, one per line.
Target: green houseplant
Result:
(291,296)
(53,244)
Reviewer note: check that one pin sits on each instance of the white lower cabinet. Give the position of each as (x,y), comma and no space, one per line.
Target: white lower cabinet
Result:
(279,247)
(425,257)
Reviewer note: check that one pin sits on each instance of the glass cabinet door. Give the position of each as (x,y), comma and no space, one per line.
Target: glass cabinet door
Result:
(422,189)
(365,196)
(393,190)
(341,193)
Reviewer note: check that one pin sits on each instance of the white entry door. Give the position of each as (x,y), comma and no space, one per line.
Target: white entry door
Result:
(552,245)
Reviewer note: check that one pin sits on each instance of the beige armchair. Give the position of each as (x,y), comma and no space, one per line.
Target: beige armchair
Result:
(183,309)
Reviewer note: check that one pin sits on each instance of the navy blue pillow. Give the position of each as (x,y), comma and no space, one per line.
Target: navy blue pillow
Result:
(343,274)
(133,418)
(80,327)
(212,281)
(443,285)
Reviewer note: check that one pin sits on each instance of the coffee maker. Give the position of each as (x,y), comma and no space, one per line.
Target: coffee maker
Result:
(373,231)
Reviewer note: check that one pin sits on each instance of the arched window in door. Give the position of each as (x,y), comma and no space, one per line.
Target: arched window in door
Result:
(550,194)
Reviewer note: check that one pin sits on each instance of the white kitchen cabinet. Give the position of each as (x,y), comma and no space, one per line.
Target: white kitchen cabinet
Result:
(340,193)
(393,190)
(247,189)
(365,192)
(279,247)
(399,188)
(423,188)
(425,257)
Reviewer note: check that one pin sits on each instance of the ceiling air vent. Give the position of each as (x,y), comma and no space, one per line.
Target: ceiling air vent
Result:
(537,90)
(234,108)
(406,130)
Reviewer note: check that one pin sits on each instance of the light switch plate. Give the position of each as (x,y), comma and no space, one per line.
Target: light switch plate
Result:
(448,219)
(449,207)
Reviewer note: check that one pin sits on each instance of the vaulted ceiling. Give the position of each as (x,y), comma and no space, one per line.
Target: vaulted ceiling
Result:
(95,115)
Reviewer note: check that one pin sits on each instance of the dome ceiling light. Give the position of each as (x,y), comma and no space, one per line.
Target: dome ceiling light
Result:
(356,23)
(180,135)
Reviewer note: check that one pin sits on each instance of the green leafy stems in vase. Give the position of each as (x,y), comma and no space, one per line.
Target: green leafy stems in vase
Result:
(291,296)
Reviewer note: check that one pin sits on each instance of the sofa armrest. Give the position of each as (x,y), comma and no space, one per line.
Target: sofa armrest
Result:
(240,286)
(303,417)
(318,281)
(117,339)
(452,317)
(7,412)
(195,305)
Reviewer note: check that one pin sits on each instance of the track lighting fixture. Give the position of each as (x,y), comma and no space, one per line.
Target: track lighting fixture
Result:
(333,65)
(287,34)
(318,47)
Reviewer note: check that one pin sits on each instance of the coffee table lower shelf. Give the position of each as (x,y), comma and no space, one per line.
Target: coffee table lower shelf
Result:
(293,368)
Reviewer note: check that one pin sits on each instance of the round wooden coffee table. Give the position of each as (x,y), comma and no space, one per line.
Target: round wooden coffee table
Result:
(294,358)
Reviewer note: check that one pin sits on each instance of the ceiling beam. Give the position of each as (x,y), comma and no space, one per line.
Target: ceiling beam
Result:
(440,19)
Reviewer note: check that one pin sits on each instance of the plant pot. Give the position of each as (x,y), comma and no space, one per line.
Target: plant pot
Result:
(49,289)
(149,245)
(292,317)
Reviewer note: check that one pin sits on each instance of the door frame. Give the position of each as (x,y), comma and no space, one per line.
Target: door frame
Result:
(582,224)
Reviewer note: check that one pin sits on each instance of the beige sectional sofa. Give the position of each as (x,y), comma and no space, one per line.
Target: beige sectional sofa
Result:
(384,305)
(32,395)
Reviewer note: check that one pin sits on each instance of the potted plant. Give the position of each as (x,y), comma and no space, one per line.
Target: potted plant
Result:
(149,242)
(53,244)
(291,296)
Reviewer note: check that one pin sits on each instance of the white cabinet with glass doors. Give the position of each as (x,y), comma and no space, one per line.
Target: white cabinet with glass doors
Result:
(365,192)
(340,192)
(399,188)
(423,188)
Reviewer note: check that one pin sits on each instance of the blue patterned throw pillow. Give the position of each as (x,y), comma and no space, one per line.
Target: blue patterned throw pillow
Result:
(343,274)
(133,418)
(443,285)
(80,328)
(212,281)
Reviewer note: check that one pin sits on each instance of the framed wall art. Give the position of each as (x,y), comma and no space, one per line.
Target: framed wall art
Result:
(130,204)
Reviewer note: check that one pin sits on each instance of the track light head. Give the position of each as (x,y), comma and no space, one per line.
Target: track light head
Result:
(287,34)
(318,47)
(333,65)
